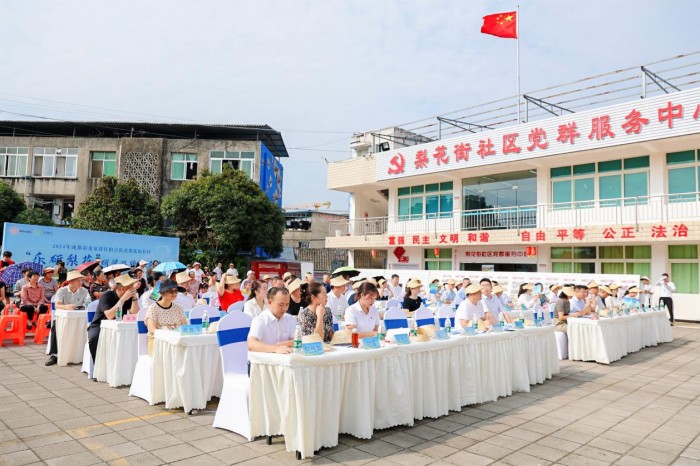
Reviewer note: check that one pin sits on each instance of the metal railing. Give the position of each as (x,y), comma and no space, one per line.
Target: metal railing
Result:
(634,211)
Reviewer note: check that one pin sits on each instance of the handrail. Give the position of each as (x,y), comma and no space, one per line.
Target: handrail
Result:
(625,210)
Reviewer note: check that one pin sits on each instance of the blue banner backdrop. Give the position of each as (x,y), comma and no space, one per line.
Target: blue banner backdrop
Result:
(46,245)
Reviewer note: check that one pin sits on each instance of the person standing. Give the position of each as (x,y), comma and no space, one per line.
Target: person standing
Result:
(646,292)
(395,289)
(232,270)
(666,290)
(217,270)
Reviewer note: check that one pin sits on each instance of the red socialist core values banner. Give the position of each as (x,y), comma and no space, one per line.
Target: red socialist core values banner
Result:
(501,25)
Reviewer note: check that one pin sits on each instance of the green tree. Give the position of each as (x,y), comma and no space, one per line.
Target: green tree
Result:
(11,204)
(120,207)
(35,216)
(222,215)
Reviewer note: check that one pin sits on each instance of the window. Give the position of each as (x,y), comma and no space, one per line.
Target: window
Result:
(575,187)
(442,261)
(103,164)
(183,166)
(433,200)
(59,162)
(683,176)
(243,161)
(304,244)
(578,259)
(625,259)
(13,161)
(684,268)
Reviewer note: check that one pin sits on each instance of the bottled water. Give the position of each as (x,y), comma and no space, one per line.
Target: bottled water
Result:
(382,333)
(297,339)
(119,313)
(205,320)
(448,326)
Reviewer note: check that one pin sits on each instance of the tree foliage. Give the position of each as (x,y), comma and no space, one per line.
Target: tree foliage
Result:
(11,204)
(120,207)
(222,215)
(35,216)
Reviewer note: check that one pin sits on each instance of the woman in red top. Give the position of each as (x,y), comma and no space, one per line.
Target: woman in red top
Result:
(33,298)
(229,290)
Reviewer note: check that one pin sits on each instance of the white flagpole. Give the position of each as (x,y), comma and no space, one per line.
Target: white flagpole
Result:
(517,55)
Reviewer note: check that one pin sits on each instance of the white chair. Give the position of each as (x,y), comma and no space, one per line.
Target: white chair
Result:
(424,317)
(142,383)
(458,300)
(562,345)
(395,318)
(349,293)
(237,306)
(197,312)
(392,303)
(88,363)
(233,410)
(446,312)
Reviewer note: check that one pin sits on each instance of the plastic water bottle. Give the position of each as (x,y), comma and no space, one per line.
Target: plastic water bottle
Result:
(205,320)
(119,313)
(297,339)
(414,331)
(501,319)
(381,334)
(475,324)
(448,326)
(521,316)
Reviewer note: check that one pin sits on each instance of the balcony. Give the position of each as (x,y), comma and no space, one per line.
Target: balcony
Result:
(627,211)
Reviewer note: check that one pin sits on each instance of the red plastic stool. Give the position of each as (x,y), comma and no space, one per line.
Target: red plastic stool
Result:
(11,329)
(41,331)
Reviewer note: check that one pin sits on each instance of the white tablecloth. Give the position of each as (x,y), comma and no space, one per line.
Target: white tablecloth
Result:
(117,352)
(311,400)
(607,340)
(186,369)
(71,335)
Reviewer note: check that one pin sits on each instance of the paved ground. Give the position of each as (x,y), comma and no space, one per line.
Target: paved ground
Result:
(642,410)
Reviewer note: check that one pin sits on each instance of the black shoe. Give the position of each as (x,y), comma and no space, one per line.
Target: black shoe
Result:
(52,361)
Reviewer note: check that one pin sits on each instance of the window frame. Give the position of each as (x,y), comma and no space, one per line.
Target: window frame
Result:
(65,155)
(102,163)
(247,160)
(418,196)
(695,165)
(174,162)
(6,155)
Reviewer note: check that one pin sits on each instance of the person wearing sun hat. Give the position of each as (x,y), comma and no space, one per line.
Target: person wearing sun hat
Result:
(593,292)
(166,313)
(632,297)
(525,297)
(124,296)
(49,283)
(229,290)
(184,299)
(337,301)
(553,293)
(449,294)
(70,297)
(645,291)
(411,300)
(472,308)
(562,309)
(605,294)
(295,301)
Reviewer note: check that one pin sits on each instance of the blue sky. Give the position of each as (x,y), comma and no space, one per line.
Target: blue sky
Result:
(317,70)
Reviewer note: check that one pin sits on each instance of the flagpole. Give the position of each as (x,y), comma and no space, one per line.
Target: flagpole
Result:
(517,54)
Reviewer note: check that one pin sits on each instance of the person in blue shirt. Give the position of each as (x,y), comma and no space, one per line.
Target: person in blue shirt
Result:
(632,297)
(449,294)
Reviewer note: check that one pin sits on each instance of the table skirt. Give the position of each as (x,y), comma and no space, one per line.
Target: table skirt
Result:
(117,353)
(71,335)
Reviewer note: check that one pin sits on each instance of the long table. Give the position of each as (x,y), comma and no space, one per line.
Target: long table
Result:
(311,400)
(607,340)
(117,352)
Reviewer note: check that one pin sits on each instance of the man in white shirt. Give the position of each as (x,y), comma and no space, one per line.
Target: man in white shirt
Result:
(217,270)
(449,295)
(395,289)
(337,301)
(492,303)
(580,303)
(645,292)
(593,290)
(666,289)
(471,308)
(273,330)
(232,269)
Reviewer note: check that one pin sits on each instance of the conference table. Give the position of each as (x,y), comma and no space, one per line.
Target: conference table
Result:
(71,335)
(186,369)
(117,352)
(608,339)
(312,399)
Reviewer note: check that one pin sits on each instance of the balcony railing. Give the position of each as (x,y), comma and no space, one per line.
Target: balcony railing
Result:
(629,211)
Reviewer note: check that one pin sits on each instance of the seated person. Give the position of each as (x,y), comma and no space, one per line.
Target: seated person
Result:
(581,303)
(165,313)
(562,309)
(352,298)
(631,297)
(492,304)
(257,300)
(362,315)
(449,294)
(33,298)
(184,298)
(69,297)
(316,317)
(124,296)
(228,291)
(472,309)
(411,299)
(273,330)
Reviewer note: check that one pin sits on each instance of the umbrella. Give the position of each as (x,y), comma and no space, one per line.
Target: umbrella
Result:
(345,271)
(165,267)
(11,274)
(87,266)
(38,268)
(116,268)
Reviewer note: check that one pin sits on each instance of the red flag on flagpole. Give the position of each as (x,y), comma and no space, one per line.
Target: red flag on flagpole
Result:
(501,25)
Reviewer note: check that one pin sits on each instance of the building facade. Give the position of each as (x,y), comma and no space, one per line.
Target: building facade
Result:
(56,165)
(612,190)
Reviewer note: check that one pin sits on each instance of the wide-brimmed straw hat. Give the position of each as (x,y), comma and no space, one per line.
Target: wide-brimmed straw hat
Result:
(473,288)
(294,285)
(339,281)
(73,274)
(414,283)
